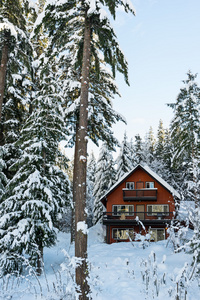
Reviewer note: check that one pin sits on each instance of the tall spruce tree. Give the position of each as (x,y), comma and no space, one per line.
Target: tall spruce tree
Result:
(185,136)
(91,173)
(37,195)
(15,78)
(124,160)
(160,141)
(138,147)
(103,180)
(94,35)
(149,147)
(3,178)
(15,58)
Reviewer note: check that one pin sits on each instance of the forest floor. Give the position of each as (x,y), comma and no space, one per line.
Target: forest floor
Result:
(120,271)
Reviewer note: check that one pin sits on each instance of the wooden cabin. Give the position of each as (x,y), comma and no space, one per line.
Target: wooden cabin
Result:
(141,202)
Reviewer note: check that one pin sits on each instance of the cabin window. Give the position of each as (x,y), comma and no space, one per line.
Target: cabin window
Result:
(130,185)
(157,234)
(153,210)
(118,210)
(122,234)
(149,185)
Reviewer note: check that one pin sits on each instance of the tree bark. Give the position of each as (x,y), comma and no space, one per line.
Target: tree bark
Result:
(80,165)
(74,184)
(39,266)
(3,69)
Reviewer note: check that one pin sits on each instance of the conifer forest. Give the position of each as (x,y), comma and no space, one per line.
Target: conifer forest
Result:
(58,65)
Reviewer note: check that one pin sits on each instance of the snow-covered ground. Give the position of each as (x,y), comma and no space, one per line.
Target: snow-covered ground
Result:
(121,271)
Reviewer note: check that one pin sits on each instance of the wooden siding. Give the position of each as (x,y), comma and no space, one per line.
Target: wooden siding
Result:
(116,198)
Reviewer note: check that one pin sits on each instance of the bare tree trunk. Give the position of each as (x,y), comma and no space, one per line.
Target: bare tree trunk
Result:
(80,165)
(3,69)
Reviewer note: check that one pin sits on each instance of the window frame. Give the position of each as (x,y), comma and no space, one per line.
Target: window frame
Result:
(149,182)
(155,213)
(156,229)
(127,213)
(122,229)
(130,183)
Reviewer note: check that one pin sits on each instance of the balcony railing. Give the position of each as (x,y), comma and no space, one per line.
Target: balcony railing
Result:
(138,215)
(140,194)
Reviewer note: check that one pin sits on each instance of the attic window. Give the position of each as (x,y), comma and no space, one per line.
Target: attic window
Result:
(149,185)
(130,185)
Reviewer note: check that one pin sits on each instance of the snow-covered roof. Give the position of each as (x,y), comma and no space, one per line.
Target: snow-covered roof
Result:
(151,173)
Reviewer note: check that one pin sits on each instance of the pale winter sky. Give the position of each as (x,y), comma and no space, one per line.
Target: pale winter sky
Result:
(161,43)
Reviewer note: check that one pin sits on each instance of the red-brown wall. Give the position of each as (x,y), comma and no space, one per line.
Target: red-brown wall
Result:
(163,195)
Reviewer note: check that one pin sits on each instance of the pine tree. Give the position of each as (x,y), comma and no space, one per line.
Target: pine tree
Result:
(160,141)
(149,147)
(139,154)
(103,179)
(89,33)
(91,173)
(185,135)
(124,160)
(15,78)
(37,195)
(15,67)
(161,152)
(3,179)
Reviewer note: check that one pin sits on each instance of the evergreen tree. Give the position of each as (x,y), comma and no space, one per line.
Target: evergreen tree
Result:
(139,154)
(160,141)
(91,173)
(185,135)
(15,67)
(124,160)
(37,195)
(103,179)
(15,78)
(89,33)
(3,179)
(149,147)
(158,163)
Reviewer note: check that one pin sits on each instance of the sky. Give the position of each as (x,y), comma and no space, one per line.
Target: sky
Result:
(161,43)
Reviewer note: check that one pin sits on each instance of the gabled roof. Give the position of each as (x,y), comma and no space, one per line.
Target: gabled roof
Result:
(151,173)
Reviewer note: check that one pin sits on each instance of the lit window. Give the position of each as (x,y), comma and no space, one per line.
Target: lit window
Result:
(153,210)
(157,234)
(130,185)
(128,210)
(149,185)
(122,234)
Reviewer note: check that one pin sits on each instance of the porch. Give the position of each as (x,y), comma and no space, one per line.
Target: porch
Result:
(126,218)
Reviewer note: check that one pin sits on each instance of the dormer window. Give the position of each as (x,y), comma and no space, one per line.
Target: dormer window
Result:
(149,185)
(130,185)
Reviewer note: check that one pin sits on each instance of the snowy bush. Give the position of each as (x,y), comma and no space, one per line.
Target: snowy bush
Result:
(151,277)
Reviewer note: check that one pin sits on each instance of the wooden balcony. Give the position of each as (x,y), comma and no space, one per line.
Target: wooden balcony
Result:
(140,194)
(125,218)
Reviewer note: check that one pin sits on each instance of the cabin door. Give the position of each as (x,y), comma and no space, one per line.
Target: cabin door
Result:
(139,187)
(140,211)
